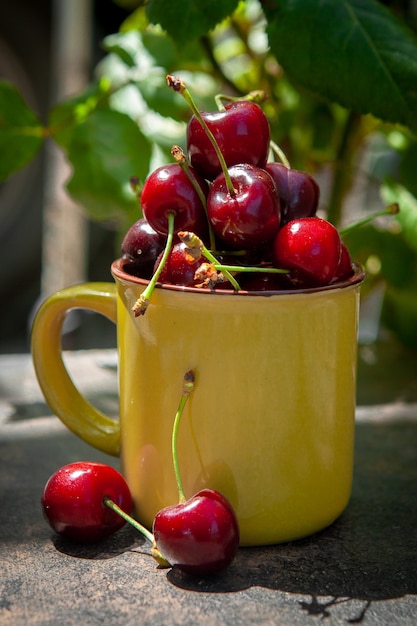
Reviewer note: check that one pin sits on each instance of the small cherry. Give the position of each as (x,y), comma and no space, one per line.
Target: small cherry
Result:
(345,267)
(243,207)
(298,191)
(180,267)
(200,535)
(310,247)
(73,501)
(141,246)
(242,132)
(168,189)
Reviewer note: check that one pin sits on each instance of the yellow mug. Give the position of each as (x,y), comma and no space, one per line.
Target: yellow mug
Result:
(270,423)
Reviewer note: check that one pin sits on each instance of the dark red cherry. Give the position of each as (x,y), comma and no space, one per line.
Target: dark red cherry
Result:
(250,217)
(241,131)
(263,281)
(72,501)
(179,268)
(345,268)
(141,246)
(141,242)
(199,536)
(169,190)
(311,248)
(298,192)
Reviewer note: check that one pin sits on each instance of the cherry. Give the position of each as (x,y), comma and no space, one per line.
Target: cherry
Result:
(169,190)
(248,214)
(180,267)
(73,501)
(257,281)
(199,535)
(298,191)
(345,267)
(310,247)
(141,246)
(241,131)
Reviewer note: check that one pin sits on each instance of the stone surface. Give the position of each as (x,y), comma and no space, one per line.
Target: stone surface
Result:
(362,569)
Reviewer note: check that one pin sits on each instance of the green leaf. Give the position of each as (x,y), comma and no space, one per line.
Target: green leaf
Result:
(21,133)
(400,314)
(105,151)
(189,19)
(353,52)
(68,114)
(407,217)
(398,261)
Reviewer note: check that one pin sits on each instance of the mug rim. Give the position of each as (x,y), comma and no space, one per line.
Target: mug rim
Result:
(118,270)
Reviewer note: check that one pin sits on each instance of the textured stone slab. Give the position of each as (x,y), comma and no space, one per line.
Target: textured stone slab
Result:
(362,569)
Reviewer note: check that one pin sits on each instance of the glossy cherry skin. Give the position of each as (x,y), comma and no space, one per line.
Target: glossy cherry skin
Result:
(168,189)
(179,268)
(141,246)
(242,132)
(345,268)
(141,242)
(200,536)
(249,218)
(311,248)
(253,281)
(72,501)
(298,192)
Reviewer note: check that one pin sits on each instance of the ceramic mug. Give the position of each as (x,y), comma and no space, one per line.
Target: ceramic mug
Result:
(270,423)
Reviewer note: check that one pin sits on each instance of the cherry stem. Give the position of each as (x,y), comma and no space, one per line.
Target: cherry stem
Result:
(139,527)
(178,85)
(136,186)
(142,303)
(245,268)
(116,508)
(257,96)
(179,156)
(280,154)
(391,209)
(188,387)
(195,243)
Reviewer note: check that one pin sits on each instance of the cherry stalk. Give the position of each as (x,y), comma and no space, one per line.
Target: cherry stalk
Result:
(142,303)
(179,86)
(199,535)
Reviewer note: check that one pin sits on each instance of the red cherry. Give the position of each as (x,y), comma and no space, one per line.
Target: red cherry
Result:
(199,536)
(253,281)
(72,501)
(345,267)
(141,246)
(250,217)
(141,242)
(310,247)
(179,268)
(169,190)
(298,192)
(241,131)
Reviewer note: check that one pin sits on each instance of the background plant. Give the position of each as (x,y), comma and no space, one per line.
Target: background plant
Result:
(340,76)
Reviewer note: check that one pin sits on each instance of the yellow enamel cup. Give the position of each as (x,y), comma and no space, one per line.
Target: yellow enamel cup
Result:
(270,423)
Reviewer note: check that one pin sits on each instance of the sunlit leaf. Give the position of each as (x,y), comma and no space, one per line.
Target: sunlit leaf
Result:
(189,19)
(353,52)
(105,151)
(21,133)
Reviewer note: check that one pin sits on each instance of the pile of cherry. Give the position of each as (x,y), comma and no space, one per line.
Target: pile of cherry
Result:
(254,220)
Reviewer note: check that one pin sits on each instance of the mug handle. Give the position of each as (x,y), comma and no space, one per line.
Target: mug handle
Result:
(63,397)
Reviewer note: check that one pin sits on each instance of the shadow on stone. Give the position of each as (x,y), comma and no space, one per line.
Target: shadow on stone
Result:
(368,554)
